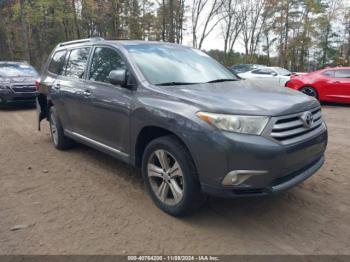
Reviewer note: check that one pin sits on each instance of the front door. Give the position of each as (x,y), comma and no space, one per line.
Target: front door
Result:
(106,110)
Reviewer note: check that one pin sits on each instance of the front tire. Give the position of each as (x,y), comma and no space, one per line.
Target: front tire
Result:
(60,141)
(170,176)
(310,91)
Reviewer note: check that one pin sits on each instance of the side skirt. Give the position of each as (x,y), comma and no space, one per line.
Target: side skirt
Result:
(99,146)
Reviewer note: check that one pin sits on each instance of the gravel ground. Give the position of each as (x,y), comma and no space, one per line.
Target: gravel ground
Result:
(84,202)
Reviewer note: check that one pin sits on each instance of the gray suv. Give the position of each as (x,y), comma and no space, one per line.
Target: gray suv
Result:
(192,127)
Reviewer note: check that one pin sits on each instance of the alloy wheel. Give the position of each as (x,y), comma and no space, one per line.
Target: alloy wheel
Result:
(166,177)
(309,91)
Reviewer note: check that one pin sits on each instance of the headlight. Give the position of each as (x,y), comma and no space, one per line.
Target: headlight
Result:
(2,87)
(253,125)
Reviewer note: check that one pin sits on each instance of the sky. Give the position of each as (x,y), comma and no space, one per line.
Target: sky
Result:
(215,41)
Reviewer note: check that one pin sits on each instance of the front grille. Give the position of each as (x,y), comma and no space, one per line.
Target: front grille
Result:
(290,129)
(23,88)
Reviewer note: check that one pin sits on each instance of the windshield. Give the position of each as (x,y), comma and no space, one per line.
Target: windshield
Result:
(282,71)
(162,64)
(13,70)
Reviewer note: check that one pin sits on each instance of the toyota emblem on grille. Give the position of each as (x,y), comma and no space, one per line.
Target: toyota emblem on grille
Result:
(307,118)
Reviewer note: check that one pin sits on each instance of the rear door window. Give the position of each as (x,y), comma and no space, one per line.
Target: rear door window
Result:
(77,62)
(57,62)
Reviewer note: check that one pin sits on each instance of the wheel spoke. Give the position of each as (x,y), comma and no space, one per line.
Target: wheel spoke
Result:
(175,171)
(163,190)
(175,190)
(163,159)
(154,171)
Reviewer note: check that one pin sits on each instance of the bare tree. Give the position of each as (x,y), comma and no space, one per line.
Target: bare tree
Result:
(333,10)
(203,23)
(232,23)
(347,32)
(24,31)
(253,24)
(196,12)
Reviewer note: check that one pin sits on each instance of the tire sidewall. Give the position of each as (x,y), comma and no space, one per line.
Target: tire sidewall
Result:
(53,112)
(63,142)
(310,87)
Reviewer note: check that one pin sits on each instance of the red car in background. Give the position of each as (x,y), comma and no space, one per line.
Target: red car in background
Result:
(328,85)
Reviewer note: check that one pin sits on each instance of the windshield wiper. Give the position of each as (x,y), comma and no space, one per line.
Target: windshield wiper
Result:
(223,80)
(175,84)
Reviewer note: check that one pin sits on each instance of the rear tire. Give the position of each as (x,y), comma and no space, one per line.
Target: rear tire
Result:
(310,91)
(171,177)
(2,103)
(60,141)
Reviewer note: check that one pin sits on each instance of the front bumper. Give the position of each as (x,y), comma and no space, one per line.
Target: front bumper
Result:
(9,97)
(277,167)
(277,185)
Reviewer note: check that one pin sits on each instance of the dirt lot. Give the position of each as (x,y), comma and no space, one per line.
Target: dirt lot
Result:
(84,202)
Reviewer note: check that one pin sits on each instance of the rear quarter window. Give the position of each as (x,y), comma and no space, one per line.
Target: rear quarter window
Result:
(57,62)
(329,73)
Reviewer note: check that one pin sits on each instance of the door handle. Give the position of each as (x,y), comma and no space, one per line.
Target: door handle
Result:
(87,93)
(336,82)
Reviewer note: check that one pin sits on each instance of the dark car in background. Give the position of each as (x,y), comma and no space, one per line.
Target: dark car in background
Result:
(242,68)
(17,83)
(188,123)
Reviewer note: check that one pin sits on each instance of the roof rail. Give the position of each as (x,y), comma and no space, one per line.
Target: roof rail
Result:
(15,62)
(79,41)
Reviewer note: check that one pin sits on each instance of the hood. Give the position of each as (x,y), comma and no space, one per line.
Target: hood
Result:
(246,97)
(18,80)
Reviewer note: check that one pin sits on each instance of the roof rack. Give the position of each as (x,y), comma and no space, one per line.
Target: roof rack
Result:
(80,41)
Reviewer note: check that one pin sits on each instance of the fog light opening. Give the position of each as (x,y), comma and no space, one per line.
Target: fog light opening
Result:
(237,177)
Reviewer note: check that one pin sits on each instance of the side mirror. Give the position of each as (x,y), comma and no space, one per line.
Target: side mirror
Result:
(274,74)
(118,77)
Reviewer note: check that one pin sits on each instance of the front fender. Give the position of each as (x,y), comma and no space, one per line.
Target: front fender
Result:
(173,116)
(203,141)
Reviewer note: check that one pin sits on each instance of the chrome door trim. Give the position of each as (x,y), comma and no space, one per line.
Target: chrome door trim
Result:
(96,143)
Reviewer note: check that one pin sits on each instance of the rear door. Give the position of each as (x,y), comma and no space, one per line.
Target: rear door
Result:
(341,85)
(54,69)
(68,89)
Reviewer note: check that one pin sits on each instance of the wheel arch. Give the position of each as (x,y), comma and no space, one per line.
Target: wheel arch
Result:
(149,133)
(318,94)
